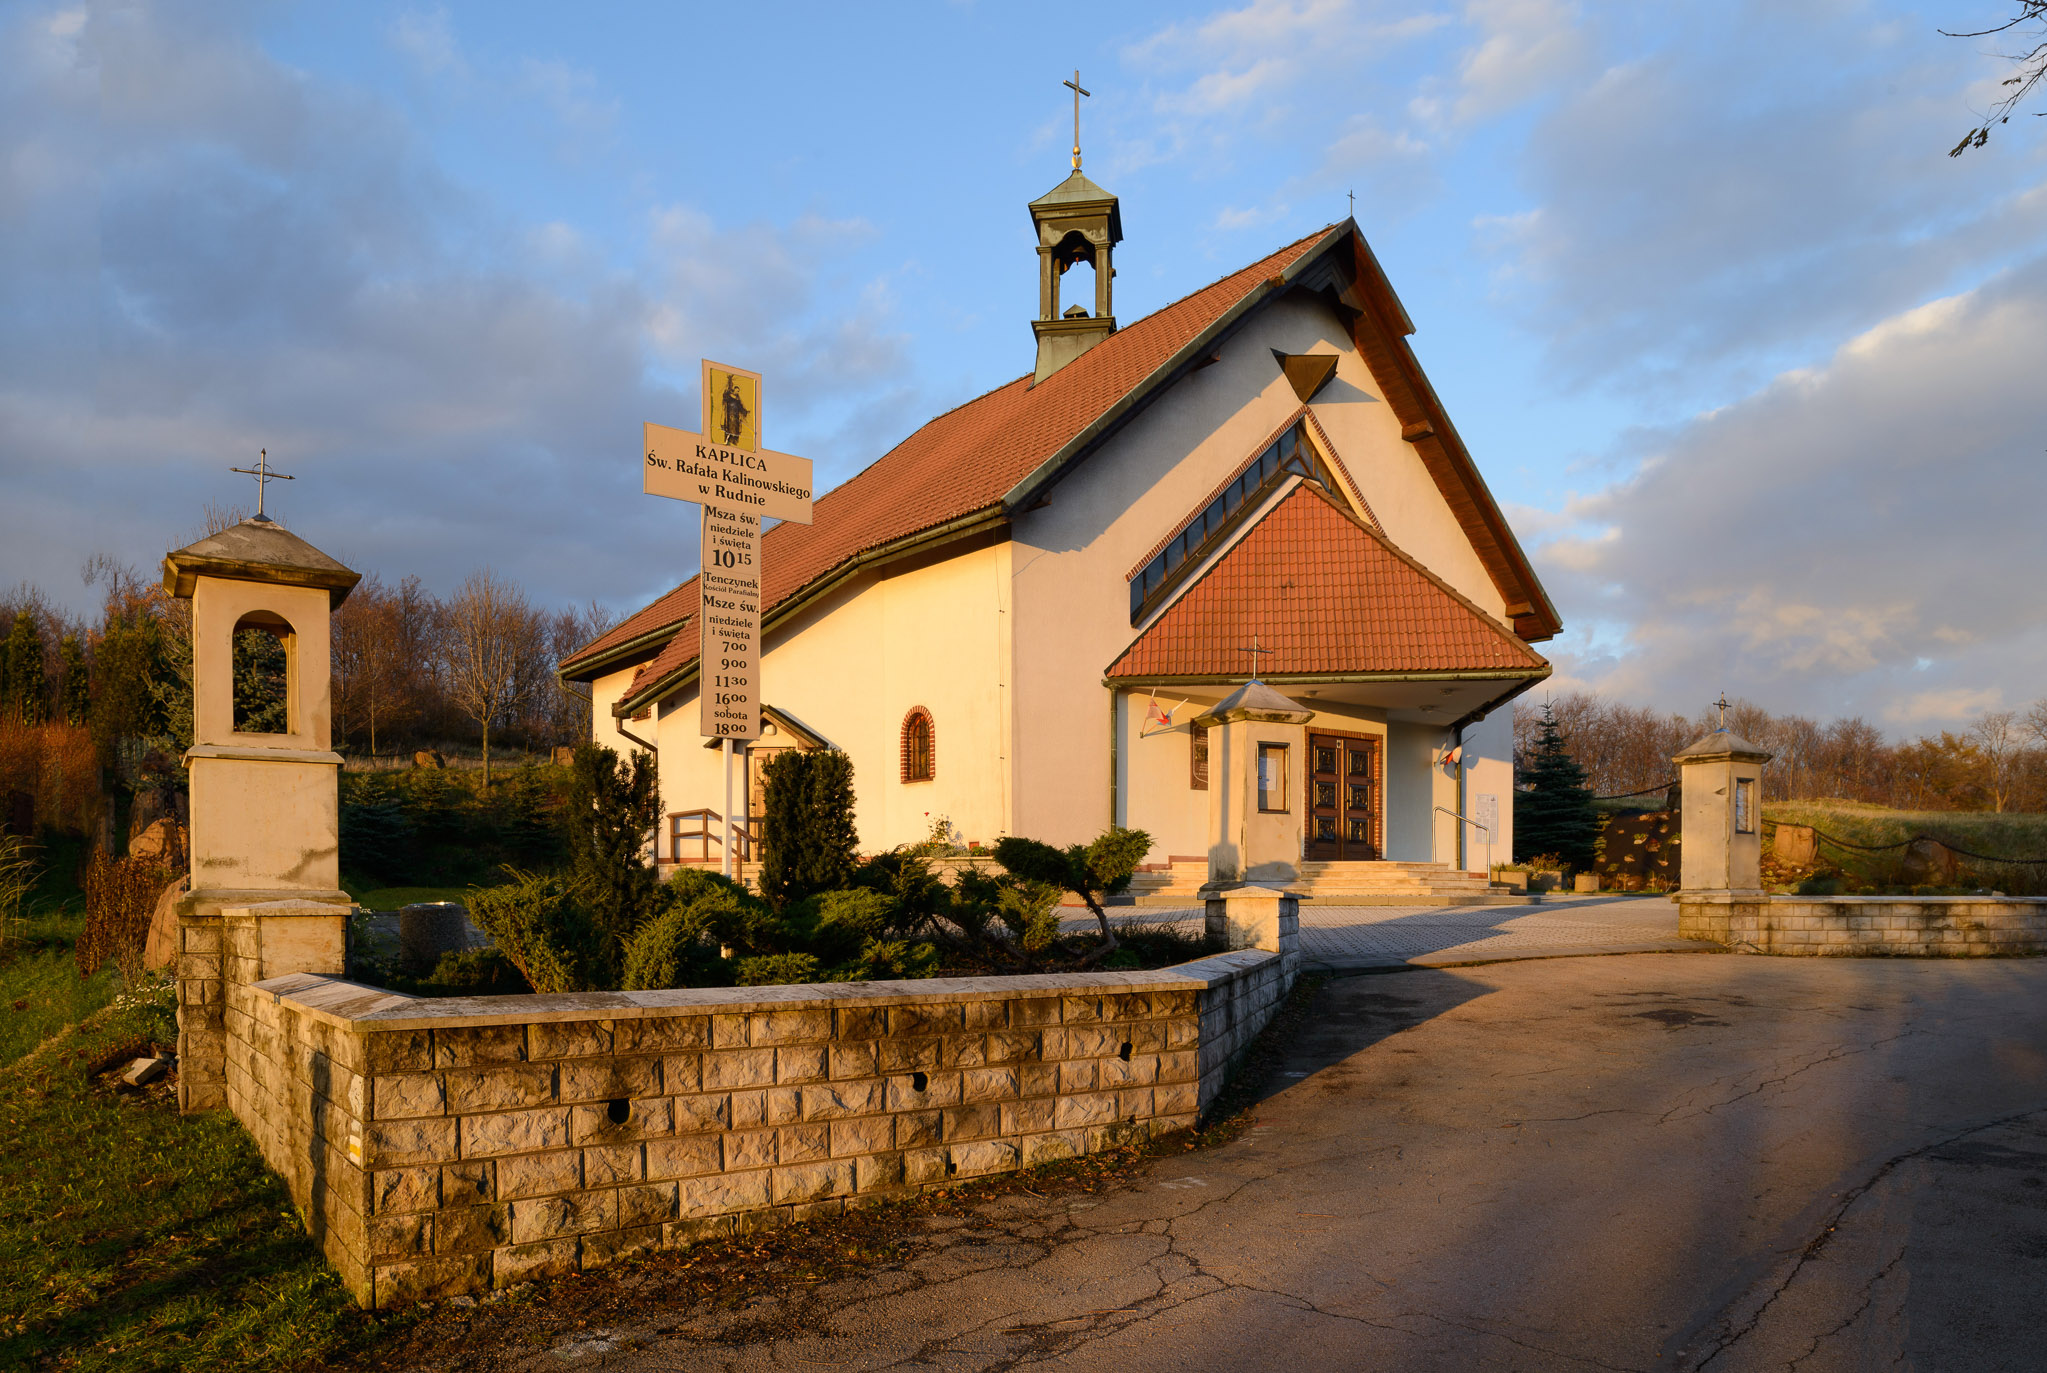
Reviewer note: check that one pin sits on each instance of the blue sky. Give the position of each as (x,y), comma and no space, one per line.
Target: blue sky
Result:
(1741,349)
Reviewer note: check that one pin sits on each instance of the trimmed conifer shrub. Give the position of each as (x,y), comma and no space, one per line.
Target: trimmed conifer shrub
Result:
(611,809)
(809,843)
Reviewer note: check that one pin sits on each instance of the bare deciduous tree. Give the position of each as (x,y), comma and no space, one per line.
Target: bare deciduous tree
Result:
(370,667)
(2029,21)
(2000,742)
(495,652)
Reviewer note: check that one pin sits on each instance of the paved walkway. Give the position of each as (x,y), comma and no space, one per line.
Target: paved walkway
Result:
(1731,1164)
(1351,937)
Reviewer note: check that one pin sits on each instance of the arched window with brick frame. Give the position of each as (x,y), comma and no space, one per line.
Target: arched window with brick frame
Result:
(920,746)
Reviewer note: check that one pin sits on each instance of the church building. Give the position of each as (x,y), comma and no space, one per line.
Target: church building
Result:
(1225,574)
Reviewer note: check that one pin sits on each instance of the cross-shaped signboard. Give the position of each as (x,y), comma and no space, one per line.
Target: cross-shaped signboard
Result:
(737,483)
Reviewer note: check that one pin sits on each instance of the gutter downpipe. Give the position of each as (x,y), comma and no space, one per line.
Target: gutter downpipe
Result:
(1115,756)
(1457,744)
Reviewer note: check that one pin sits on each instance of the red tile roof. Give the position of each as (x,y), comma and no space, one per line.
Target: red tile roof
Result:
(1332,597)
(963,462)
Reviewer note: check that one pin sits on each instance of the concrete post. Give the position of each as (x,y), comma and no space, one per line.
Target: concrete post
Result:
(1248,915)
(1720,777)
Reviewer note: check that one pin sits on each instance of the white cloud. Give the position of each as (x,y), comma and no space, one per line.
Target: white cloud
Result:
(1858,536)
(1525,48)
(1729,196)
(1229,219)
(572,94)
(242,256)
(427,37)
(1955,706)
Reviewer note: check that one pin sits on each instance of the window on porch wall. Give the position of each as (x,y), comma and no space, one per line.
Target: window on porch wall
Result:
(1197,758)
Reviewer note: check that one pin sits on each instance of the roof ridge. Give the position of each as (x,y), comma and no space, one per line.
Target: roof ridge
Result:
(981,447)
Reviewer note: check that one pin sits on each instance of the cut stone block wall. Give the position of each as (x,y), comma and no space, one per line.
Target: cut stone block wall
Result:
(202,1034)
(1937,926)
(440,1146)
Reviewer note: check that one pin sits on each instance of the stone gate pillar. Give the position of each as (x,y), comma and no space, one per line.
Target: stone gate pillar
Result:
(1720,778)
(265,812)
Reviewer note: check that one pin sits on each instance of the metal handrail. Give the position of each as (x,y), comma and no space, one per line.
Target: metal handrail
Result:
(1484,829)
(704,833)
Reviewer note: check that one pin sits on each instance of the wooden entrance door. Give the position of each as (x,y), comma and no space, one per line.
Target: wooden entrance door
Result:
(1345,799)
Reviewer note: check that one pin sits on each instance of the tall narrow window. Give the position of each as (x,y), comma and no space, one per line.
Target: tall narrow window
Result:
(1197,758)
(1744,805)
(920,747)
(1272,777)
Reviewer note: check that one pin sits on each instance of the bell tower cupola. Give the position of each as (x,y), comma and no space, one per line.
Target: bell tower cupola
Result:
(1076,221)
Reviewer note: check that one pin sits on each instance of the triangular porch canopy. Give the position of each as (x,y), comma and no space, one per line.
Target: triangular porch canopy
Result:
(1345,614)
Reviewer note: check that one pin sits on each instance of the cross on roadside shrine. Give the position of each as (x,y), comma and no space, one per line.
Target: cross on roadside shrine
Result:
(1722,703)
(263,475)
(1254,650)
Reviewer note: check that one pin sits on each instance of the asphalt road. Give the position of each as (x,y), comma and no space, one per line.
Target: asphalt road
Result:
(1649,1161)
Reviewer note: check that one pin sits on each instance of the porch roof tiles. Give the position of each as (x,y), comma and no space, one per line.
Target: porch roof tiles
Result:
(1330,597)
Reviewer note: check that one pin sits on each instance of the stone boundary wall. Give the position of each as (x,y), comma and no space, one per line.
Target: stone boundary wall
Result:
(443,1146)
(1923,926)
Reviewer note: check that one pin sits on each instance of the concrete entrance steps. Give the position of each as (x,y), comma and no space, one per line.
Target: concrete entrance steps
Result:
(1343,884)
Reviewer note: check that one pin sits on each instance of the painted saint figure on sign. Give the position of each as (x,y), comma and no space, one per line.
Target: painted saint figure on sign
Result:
(732,412)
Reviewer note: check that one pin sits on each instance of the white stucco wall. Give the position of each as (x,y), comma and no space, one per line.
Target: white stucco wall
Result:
(1006,645)
(1072,558)
(1489,771)
(1153,793)
(851,669)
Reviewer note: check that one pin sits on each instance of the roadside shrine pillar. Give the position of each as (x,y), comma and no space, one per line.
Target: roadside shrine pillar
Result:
(1256,793)
(1720,778)
(265,810)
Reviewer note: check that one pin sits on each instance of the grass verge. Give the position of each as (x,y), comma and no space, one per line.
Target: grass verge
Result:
(2010,835)
(136,1239)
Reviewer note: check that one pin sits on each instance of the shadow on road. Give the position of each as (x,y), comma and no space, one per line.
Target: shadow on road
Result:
(1353,1012)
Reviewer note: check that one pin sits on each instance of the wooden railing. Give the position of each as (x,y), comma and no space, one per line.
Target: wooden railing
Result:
(709,831)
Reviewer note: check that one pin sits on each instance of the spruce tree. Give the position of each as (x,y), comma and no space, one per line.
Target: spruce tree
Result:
(74,691)
(24,691)
(1555,815)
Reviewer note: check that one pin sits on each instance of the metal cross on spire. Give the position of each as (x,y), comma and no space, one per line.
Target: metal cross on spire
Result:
(1353,195)
(1254,650)
(263,475)
(1722,703)
(1077,94)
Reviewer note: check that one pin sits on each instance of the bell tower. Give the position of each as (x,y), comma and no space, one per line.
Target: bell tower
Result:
(1076,221)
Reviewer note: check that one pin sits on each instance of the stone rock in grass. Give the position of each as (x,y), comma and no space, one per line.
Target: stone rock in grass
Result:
(144,1070)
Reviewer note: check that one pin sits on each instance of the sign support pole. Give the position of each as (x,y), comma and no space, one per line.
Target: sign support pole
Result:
(726,847)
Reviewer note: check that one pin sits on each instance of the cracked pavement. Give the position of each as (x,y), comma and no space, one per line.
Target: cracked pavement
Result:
(1654,1161)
